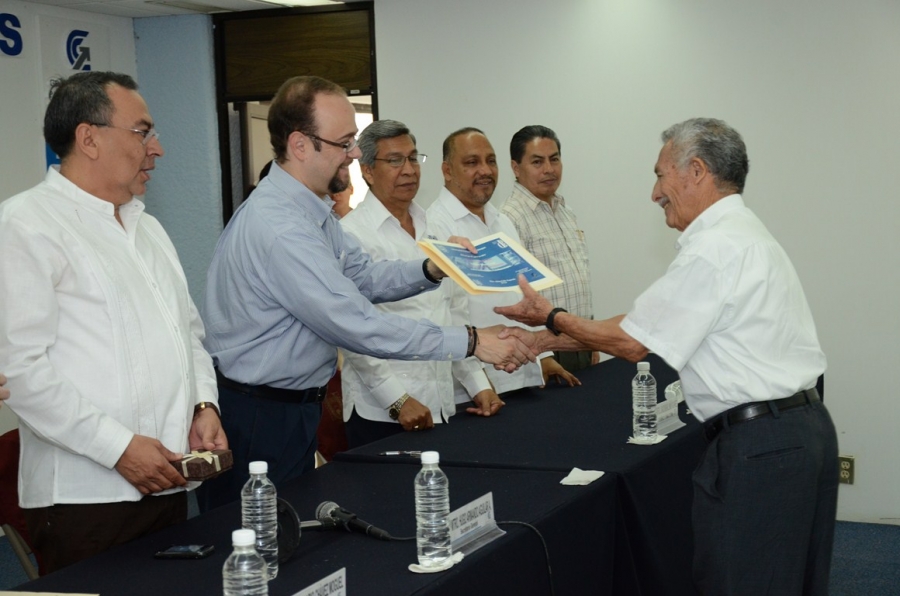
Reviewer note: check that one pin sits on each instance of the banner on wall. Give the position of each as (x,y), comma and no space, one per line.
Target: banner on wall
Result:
(69,46)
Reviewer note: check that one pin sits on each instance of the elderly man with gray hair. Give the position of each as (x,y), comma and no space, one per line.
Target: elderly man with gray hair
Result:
(731,316)
(387,396)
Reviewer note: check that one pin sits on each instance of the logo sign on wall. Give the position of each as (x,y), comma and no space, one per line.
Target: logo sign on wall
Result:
(69,46)
(78,54)
(10,35)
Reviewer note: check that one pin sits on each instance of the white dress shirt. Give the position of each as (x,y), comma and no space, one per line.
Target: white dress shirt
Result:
(99,338)
(370,384)
(447,216)
(730,314)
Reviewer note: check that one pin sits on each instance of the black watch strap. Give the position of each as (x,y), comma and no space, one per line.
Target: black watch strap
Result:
(550,317)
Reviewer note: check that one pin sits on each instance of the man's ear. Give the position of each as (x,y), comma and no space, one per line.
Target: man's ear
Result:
(367,175)
(515,168)
(445,169)
(86,140)
(298,144)
(697,169)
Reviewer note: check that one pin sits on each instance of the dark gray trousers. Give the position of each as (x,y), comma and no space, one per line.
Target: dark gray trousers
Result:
(765,500)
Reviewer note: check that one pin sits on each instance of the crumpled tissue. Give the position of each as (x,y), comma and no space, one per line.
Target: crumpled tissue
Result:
(581,477)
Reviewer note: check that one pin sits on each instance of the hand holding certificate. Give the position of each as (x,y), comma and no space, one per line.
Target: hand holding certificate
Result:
(496,267)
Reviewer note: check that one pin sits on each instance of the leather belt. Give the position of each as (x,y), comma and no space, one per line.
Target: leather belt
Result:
(759,409)
(313,395)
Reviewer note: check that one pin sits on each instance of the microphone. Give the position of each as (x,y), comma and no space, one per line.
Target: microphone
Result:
(330,512)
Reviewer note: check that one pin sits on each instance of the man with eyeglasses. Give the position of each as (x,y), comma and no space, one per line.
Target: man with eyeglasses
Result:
(463,208)
(99,337)
(382,396)
(286,287)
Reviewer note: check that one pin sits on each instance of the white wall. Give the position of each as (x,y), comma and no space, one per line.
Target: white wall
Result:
(24,84)
(812,86)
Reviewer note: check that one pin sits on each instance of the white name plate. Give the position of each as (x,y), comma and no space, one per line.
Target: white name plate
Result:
(473,525)
(667,420)
(333,585)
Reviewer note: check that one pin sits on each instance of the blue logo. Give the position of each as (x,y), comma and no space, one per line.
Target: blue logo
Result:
(10,37)
(79,56)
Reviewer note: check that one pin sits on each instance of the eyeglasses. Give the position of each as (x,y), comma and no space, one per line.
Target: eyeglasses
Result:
(146,135)
(398,161)
(347,146)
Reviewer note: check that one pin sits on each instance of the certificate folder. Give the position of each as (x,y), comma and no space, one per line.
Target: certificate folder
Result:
(496,267)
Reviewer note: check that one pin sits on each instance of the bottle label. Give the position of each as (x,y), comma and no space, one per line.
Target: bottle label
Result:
(333,585)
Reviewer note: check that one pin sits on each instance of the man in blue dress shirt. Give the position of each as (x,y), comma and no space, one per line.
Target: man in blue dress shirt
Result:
(286,287)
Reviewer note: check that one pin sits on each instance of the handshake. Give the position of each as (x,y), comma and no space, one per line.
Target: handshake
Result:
(507,348)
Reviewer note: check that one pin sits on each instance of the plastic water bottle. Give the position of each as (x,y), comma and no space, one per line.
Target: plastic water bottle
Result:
(259,512)
(432,512)
(245,572)
(643,397)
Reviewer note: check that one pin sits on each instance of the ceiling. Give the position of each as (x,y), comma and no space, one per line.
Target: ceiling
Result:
(156,8)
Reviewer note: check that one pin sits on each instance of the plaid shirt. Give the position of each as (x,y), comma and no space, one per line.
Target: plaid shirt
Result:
(552,235)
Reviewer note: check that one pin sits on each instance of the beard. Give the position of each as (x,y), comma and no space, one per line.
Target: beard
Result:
(337,185)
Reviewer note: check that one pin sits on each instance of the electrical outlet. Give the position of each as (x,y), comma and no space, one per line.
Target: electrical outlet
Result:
(848,471)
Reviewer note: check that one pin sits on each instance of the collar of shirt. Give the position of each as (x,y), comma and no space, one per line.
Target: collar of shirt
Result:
(130,212)
(375,214)
(709,217)
(319,208)
(458,211)
(535,202)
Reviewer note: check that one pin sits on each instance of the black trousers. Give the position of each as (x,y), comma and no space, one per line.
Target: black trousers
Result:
(280,434)
(765,500)
(67,533)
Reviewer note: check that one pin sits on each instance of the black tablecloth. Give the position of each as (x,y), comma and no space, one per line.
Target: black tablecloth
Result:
(559,428)
(577,522)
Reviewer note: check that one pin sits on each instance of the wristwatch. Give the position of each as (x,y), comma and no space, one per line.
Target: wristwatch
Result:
(394,410)
(206,404)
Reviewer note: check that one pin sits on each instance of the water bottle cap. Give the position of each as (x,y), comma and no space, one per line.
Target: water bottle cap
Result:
(643,366)
(259,467)
(430,457)
(243,537)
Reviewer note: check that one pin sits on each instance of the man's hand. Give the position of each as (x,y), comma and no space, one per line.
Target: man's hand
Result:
(4,392)
(438,273)
(595,358)
(487,403)
(145,464)
(531,310)
(207,433)
(508,352)
(415,416)
(550,368)
(464,242)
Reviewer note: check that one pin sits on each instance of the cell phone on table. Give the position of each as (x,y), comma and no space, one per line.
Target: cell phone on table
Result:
(186,551)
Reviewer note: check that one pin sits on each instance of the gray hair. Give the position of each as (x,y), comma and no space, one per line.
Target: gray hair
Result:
(380,129)
(718,145)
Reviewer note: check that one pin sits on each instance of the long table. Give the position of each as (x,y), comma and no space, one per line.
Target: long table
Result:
(558,428)
(626,533)
(383,495)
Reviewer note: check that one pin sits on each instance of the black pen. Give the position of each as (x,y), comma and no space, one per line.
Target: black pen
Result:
(409,453)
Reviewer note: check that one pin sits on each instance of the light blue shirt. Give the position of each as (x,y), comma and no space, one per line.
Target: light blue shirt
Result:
(286,286)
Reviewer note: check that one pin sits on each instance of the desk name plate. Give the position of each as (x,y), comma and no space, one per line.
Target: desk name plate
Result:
(333,585)
(472,525)
(667,420)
